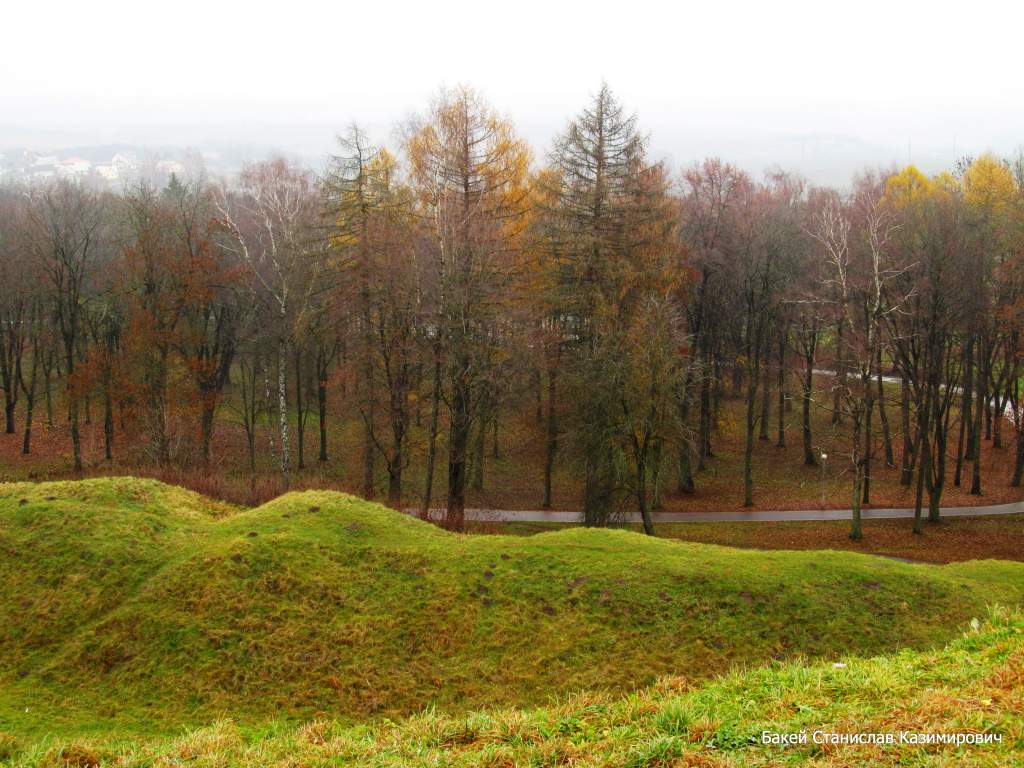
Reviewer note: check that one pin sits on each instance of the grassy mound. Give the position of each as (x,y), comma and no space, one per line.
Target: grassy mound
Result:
(133,606)
(973,686)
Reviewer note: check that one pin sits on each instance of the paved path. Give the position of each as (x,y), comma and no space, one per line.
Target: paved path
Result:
(565,516)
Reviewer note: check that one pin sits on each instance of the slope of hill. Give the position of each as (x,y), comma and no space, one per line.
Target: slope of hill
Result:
(135,607)
(961,705)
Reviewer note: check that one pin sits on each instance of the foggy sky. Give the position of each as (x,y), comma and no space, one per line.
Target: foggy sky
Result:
(824,88)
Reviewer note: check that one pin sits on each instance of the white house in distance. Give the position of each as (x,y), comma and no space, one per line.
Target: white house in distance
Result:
(124,162)
(43,167)
(121,169)
(74,166)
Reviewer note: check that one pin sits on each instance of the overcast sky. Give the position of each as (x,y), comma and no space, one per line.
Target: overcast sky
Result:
(825,88)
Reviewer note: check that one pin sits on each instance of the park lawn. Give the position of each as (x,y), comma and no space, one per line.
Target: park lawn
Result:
(954,539)
(130,606)
(973,685)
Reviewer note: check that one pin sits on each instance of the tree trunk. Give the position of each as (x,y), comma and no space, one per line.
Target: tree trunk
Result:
(395,470)
(155,380)
(600,474)
(495,453)
(26,441)
(206,427)
(748,452)
(856,528)
(267,399)
(30,402)
(369,449)
(282,408)
(435,407)
(48,389)
(12,346)
(1018,468)
(686,484)
(538,392)
(250,437)
(645,512)
(938,475)
(997,421)
(656,461)
(965,445)
(640,449)
(398,413)
(924,460)
(869,438)
(108,423)
(907,460)
(704,422)
(934,501)
(76,438)
(982,401)
(765,398)
(810,459)
(455,516)
(890,458)
(715,412)
(780,441)
(250,411)
(300,422)
(552,436)
(840,377)
(419,400)
(477,480)
(321,409)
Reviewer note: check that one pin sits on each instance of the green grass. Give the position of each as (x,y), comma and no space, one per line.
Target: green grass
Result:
(132,607)
(954,539)
(975,685)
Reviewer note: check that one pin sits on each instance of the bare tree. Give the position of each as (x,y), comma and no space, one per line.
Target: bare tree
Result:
(269,221)
(858,275)
(67,233)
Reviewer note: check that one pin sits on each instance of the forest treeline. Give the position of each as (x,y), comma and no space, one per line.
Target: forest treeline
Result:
(456,277)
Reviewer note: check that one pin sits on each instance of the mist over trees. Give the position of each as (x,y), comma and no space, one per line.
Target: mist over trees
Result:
(454,282)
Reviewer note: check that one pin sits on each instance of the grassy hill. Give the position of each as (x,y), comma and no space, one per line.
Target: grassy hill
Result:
(136,607)
(975,685)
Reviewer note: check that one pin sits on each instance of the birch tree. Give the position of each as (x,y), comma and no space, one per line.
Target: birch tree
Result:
(857,274)
(269,221)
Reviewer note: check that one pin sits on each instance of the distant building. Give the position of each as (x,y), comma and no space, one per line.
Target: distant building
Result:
(108,172)
(125,162)
(74,166)
(171,166)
